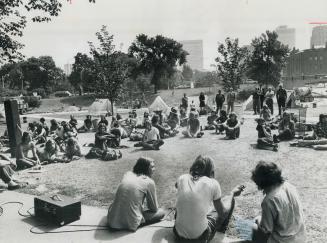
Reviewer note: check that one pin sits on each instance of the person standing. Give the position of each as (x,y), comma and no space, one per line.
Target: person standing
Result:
(231,97)
(269,99)
(256,101)
(202,100)
(220,99)
(281,96)
(185,102)
(282,218)
(262,92)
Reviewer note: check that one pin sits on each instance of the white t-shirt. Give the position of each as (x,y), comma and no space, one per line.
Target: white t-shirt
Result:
(194,201)
(151,135)
(282,215)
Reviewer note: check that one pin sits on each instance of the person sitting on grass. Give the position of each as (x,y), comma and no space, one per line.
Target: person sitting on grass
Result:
(211,121)
(40,135)
(173,119)
(163,131)
(232,126)
(100,148)
(73,122)
(193,129)
(45,126)
(54,126)
(50,153)
(22,159)
(281,218)
(220,121)
(265,139)
(88,125)
(7,167)
(73,150)
(151,138)
(197,191)
(265,113)
(318,140)
(137,189)
(183,117)
(286,129)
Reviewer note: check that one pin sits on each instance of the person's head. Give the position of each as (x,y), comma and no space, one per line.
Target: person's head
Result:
(202,166)
(184,94)
(118,116)
(146,114)
(286,116)
(50,146)
(232,116)
(148,125)
(39,127)
(72,117)
(266,175)
(174,110)
(89,117)
(102,128)
(53,122)
(280,86)
(144,166)
(64,124)
(31,126)
(219,91)
(155,119)
(223,113)
(269,88)
(42,120)
(26,137)
(265,107)
(260,121)
(213,112)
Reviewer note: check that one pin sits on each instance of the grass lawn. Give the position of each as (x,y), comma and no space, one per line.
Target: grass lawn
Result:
(95,182)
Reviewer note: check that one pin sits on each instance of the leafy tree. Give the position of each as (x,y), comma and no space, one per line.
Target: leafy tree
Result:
(83,76)
(207,79)
(13,21)
(231,63)
(187,72)
(268,58)
(157,56)
(111,71)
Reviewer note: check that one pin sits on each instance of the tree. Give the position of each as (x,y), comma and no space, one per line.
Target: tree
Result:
(187,72)
(13,22)
(268,59)
(83,76)
(157,56)
(231,63)
(109,67)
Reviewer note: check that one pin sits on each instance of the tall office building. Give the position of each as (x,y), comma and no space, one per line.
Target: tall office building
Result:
(286,35)
(195,50)
(319,36)
(68,69)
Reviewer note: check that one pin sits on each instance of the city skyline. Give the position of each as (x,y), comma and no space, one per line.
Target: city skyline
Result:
(211,22)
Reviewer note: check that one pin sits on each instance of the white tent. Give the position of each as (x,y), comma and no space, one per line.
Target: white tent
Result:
(159,104)
(100,106)
(2,111)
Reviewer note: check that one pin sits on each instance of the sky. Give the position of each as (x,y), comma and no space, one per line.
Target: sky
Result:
(208,20)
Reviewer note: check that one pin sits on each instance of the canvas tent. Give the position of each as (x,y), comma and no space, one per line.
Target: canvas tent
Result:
(2,111)
(100,106)
(159,104)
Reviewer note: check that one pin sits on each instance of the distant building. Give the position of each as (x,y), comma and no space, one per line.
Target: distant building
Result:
(286,35)
(68,69)
(319,36)
(307,63)
(195,50)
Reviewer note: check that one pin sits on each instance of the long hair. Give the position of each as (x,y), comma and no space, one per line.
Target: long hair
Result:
(202,166)
(142,166)
(267,174)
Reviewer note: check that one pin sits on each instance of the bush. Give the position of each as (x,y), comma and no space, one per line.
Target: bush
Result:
(32,101)
(244,94)
(40,91)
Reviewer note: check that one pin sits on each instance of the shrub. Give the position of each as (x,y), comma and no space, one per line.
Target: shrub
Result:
(244,94)
(32,101)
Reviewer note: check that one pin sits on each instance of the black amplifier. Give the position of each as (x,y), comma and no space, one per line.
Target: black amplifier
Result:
(57,209)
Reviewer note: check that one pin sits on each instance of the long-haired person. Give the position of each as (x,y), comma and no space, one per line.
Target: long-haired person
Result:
(197,191)
(127,211)
(281,219)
